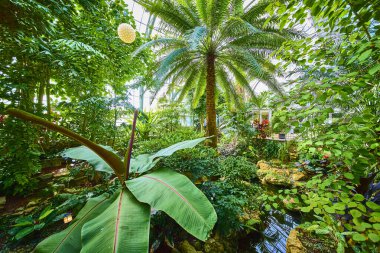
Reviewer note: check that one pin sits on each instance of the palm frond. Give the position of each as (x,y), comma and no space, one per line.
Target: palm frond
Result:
(195,36)
(202,10)
(170,59)
(236,7)
(226,84)
(255,11)
(200,89)
(159,42)
(241,79)
(218,11)
(169,12)
(190,81)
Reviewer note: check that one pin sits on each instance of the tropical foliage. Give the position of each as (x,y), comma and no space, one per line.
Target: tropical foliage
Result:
(120,222)
(215,47)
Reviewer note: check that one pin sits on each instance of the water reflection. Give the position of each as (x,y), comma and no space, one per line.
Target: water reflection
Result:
(273,238)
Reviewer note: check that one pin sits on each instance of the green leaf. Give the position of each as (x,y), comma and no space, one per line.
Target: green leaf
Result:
(358,237)
(355,213)
(365,55)
(358,197)
(23,221)
(376,226)
(322,231)
(349,176)
(178,146)
(177,196)
(145,162)
(374,69)
(329,209)
(69,240)
(340,206)
(374,237)
(45,213)
(142,163)
(85,154)
(373,206)
(24,232)
(122,227)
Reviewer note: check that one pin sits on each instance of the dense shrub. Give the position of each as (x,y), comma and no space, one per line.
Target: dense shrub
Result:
(19,156)
(237,168)
(196,163)
(165,139)
(229,200)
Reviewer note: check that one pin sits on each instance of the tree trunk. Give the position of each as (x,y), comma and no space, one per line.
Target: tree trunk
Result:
(48,101)
(210,101)
(41,93)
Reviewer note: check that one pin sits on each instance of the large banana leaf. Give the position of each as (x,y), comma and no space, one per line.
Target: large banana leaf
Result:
(145,162)
(69,240)
(123,227)
(178,146)
(142,163)
(86,154)
(177,196)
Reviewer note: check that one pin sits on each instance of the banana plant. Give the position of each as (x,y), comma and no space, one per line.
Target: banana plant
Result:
(121,222)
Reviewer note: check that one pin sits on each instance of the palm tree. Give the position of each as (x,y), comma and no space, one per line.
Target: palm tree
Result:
(215,45)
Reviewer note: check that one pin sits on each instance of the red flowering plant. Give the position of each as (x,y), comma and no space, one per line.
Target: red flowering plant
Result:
(263,128)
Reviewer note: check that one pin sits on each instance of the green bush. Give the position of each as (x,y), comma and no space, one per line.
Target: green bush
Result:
(165,139)
(237,168)
(19,156)
(196,163)
(229,200)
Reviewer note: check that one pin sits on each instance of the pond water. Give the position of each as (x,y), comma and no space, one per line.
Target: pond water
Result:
(273,238)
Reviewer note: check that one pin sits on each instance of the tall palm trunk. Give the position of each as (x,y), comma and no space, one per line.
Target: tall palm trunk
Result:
(210,101)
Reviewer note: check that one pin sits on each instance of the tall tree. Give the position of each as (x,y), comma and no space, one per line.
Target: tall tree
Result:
(213,46)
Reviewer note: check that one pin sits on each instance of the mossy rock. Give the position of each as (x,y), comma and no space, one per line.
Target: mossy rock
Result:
(301,241)
(186,247)
(277,176)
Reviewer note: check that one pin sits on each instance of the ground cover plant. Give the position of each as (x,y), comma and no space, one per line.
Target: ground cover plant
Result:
(125,216)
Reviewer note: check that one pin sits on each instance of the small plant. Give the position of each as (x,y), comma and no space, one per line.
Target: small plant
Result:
(121,222)
(28,224)
(263,128)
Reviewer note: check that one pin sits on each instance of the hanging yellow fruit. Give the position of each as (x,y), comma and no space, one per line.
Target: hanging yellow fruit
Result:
(126,33)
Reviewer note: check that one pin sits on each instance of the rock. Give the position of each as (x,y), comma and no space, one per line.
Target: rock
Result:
(293,243)
(31,203)
(213,246)
(62,172)
(276,176)
(45,176)
(2,201)
(72,190)
(52,162)
(198,245)
(186,247)
(262,165)
(58,187)
(30,209)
